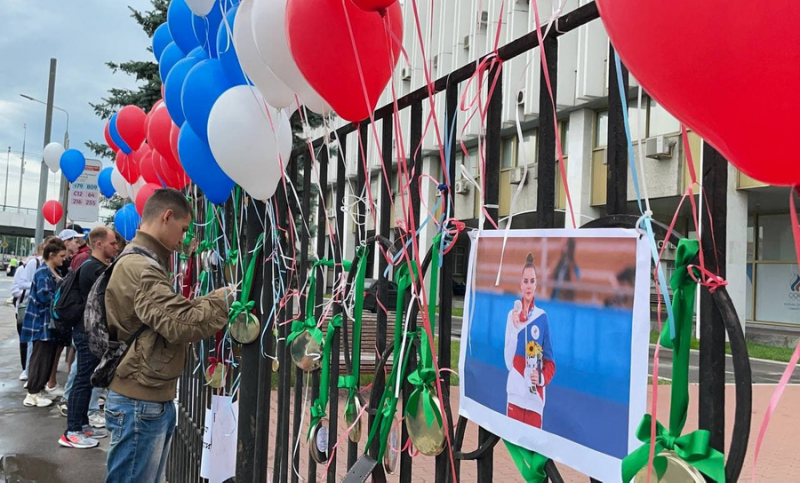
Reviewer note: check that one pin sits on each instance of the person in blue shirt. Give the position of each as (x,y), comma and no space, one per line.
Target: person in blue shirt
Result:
(528,353)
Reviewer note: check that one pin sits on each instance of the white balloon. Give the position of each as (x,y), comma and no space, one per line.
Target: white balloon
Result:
(133,189)
(119,183)
(201,8)
(269,31)
(273,89)
(247,147)
(52,156)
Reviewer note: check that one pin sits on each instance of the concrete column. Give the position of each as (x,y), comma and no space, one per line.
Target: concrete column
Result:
(736,230)
(579,167)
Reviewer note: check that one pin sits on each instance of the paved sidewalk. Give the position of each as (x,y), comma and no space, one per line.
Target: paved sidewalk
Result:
(29,436)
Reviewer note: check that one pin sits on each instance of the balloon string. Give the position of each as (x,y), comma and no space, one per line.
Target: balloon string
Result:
(787,373)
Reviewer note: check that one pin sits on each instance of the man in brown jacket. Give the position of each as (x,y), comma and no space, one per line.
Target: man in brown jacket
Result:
(140,414)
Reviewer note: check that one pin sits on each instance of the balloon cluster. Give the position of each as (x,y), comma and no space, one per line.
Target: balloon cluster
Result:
(70,161)
(234,73)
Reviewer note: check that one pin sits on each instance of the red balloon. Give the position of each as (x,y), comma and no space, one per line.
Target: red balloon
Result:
(373,5)
(147,170)
(330,66)
(52,211)
(131,126)
(733,74)
(158,134)
(144,194)
(150,116)
(173,143)
(110,142)
(173,178)
(127,166)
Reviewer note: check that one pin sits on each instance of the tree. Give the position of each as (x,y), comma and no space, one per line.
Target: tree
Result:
(146,73)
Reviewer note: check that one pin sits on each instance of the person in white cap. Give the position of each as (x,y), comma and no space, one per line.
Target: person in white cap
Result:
(71,240)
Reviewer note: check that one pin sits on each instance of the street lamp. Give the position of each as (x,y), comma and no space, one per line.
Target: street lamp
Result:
(66,131)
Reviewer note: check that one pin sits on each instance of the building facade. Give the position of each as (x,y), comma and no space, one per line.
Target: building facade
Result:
(762,273)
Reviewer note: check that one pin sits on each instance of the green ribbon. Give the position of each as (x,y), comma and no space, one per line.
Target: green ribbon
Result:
(300,326)
(244,304)
(694,447)
(318,408)
(422,379)
(530,464)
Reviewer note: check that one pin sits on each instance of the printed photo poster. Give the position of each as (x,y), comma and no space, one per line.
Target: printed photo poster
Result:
(555,342)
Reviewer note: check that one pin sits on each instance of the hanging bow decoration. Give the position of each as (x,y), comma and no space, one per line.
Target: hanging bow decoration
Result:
(318,407)
(309,325)
(694,447)
(422,379)
(530,464)
(245,305)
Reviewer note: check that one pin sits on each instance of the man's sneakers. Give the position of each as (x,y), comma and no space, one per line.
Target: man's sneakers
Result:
(55,391)
(94,433)
(23,376)
(39,400)
(77,440)
(62,408)
(97,420)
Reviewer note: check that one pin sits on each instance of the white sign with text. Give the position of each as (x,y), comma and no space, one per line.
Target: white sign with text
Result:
(84,194)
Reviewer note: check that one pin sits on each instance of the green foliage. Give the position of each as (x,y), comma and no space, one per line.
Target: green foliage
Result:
(145,72)
(114,204)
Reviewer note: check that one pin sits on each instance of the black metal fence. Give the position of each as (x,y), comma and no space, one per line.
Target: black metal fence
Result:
(258,401)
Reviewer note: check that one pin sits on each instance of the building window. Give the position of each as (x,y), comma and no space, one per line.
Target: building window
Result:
(460,268)
(660,122)
(507,153)
(527,154)
(601,130)
(775,238)
(563,127)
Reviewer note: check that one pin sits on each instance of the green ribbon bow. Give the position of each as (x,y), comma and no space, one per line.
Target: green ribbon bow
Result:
(422,379)
(318,408)
(300,326)
(238,307)
(530,464)
(232,256)
(694,447)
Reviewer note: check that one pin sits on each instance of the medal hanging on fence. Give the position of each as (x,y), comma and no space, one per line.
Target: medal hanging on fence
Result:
(318,433)
(423,413)
(244,326)
(216,370)
(305,340)
(391,457)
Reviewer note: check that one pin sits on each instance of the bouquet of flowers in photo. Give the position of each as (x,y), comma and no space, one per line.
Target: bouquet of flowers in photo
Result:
(533,352)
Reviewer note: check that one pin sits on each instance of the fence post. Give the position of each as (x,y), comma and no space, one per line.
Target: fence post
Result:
(712,327)
(546,187)
(617,146)
(282,214)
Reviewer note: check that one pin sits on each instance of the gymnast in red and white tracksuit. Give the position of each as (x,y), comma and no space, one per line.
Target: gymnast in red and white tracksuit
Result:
(528,353)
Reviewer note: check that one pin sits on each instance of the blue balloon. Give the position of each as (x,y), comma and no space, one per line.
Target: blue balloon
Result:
(161,38)
(226,52)
(126,221)
(202,168)
(112,130)
(72,164)
(181,28)
(201,89)
(104,181)
(205,28)
(173,87)
(197,53)
(171,56)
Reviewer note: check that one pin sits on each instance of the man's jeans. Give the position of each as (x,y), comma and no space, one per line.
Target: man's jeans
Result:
(141,433)
(81,390)
(94,402)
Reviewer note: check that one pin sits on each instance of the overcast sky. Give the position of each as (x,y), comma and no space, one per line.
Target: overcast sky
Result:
(82,35)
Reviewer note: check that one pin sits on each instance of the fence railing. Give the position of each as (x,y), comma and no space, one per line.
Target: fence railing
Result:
(259,403)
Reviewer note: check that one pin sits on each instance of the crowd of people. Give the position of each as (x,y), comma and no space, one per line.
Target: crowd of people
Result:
(141,308)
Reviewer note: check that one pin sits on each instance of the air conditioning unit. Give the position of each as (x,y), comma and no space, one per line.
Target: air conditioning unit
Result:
(521,97)
(462,187)
(330,213)
(658,147)
(466,42)
(484,19)
(517,176)
(405,73)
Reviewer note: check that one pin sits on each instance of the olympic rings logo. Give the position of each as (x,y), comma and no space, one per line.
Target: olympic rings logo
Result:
(794,295)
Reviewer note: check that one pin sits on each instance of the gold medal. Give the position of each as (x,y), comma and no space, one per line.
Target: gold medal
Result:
(318,442)
(275,365)
(245,328)
(215,375)
(427,438)
(352,411)
(678,471)
(391,457)
(306,352)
